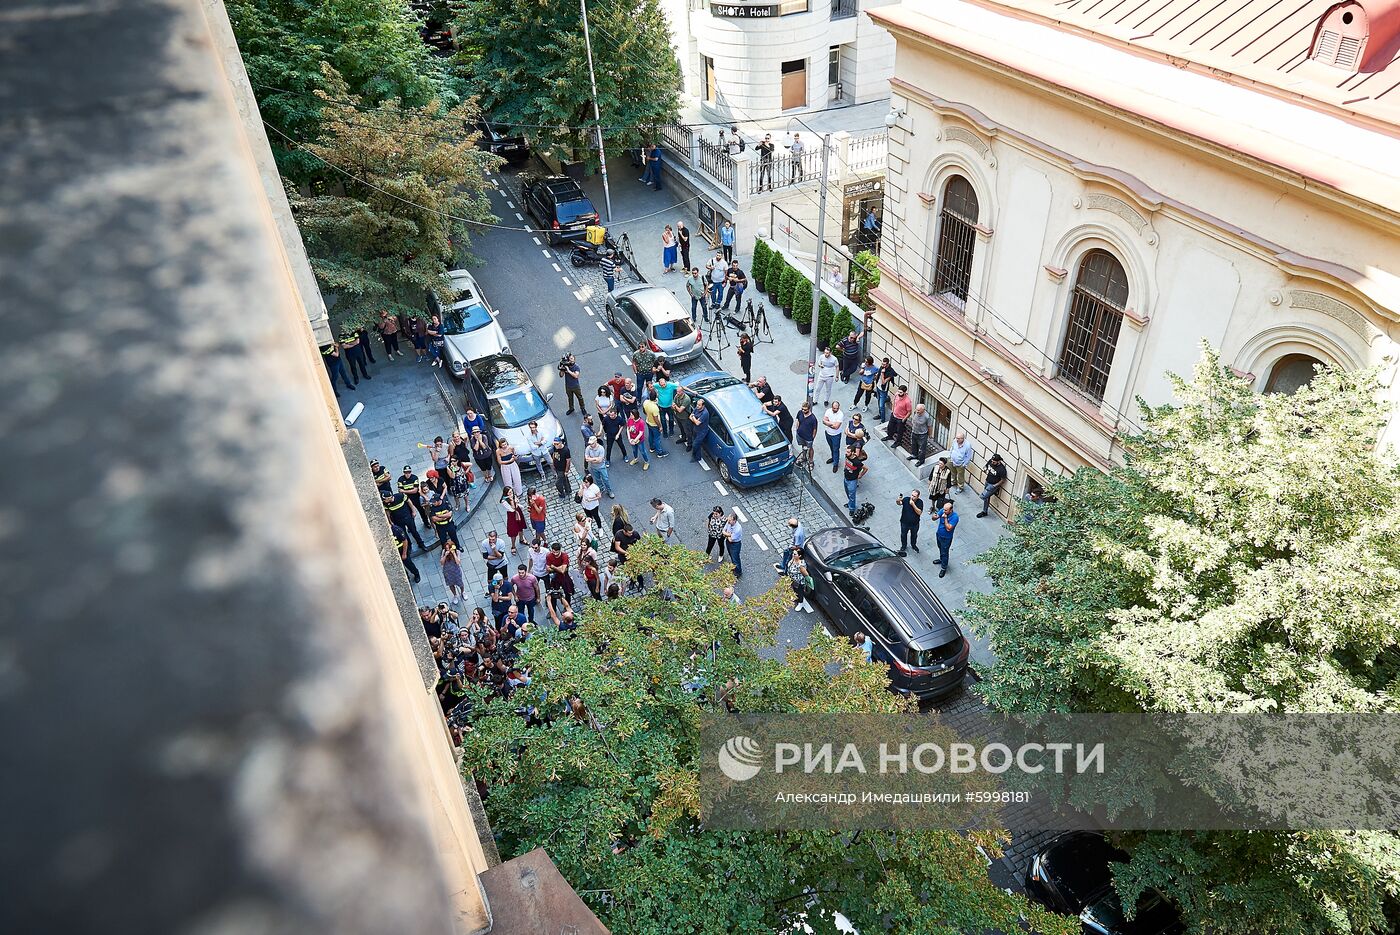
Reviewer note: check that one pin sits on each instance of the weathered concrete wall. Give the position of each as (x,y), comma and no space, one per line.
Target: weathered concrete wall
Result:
(212,719)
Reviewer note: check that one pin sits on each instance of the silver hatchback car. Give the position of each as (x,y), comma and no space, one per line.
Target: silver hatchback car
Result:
(650,314)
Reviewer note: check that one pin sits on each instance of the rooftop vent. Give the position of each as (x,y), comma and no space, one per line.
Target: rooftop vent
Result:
(1341,36)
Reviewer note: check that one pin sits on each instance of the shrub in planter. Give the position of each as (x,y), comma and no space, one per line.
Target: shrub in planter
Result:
(789,284)
(825,314)
(773,276)
(842,324)
(802,306)
(761,256)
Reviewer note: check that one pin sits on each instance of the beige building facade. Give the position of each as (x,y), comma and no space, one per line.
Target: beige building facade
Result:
(1078,195)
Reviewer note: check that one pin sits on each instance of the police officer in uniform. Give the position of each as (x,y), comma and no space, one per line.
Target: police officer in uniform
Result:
(354,353)
(401,543)
(442,522)
(410,488)
(335,367)
(382,480)
(400,512)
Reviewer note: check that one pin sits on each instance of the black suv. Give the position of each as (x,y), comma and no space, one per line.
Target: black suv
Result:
(1072,874)
(501,142)
(559,205)
(865,587)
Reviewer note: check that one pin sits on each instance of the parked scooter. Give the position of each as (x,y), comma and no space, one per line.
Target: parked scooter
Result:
(589,254)
(595,245)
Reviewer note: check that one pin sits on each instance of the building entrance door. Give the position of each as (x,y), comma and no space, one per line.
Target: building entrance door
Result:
(794,84)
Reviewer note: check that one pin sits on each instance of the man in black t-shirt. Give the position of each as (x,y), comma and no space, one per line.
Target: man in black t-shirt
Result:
(624,540)
(911,514)
(855,470)
(996,476)
(765,161)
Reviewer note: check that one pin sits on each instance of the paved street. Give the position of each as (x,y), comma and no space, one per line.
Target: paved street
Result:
(547,308)
(784,363)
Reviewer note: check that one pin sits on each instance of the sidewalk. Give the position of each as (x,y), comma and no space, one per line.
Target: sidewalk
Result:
(784,364)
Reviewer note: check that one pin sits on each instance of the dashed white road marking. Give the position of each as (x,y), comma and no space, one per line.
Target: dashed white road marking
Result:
(535,239)
(510,204)
(723,490)
(706,467)
(589,311)
(742,518)
(601,326)
(521,217)
(546,253)
(761,544)
(612,341)
(625,358)
(567,280)
(556,267)
(826,629)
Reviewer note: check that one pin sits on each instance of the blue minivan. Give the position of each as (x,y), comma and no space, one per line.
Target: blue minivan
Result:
(745,442)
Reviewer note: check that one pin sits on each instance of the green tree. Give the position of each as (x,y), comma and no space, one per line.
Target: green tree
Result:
(825,314)
(773,274)
(528,63)
(865,276)
(802,301)
(842,324)
(1243,559)
(609,783)
(390,229)
(761,255)
(372,44)
(788,286)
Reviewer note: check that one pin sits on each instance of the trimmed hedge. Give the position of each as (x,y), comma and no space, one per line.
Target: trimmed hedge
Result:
(761,256)
(841,325)
(802,302)
(825,315)
(789,284)
(773,273)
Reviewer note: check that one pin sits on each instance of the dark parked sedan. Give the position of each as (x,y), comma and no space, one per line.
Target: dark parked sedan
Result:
(1073,874)
(502,140)
(865,587)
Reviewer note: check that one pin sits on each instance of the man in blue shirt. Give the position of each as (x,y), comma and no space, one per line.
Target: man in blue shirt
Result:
(654,164)
(726,241)
(947,521)
(700,418)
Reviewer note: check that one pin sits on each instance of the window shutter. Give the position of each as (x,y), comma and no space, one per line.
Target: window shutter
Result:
(1348,53)
(1327,46)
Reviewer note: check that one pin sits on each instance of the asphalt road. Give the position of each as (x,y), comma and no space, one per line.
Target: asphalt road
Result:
(548,308)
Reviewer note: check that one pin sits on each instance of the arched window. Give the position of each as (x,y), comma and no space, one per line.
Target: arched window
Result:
(1291,373)
(1095,317)
(957,239)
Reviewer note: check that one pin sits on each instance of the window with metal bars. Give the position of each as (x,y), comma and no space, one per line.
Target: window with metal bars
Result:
(1095,318)
(957,240)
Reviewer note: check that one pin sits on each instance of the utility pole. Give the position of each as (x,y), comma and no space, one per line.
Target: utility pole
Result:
(821,252)
(597,120)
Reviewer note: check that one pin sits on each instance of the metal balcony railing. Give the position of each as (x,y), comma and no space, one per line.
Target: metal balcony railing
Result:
(785,169)
(718,165)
